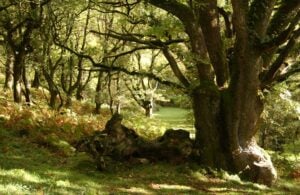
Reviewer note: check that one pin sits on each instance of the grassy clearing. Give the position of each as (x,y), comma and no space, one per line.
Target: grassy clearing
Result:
(26,168)
(36,158)
(175,118)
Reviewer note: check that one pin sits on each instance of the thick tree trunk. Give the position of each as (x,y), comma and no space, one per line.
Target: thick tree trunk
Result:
(220,147)
(211,140)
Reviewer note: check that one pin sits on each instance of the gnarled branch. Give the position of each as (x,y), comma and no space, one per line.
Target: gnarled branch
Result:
(109,68)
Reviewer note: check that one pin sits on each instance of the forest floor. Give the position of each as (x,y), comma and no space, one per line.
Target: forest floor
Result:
(40,161)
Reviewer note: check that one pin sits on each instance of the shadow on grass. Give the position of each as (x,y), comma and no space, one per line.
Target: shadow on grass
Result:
(26,168)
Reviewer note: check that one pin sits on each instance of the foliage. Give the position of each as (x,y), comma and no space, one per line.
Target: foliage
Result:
(280,129)
(50,128)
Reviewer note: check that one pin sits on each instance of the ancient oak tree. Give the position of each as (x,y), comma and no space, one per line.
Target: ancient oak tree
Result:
(226,97)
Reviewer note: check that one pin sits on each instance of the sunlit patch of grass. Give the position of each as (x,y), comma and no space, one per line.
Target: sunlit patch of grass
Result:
(165,118)
(14,188)
(134,190)
(175,118)
(21,174)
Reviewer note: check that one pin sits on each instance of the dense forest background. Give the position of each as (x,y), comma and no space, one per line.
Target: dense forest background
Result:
(225,71)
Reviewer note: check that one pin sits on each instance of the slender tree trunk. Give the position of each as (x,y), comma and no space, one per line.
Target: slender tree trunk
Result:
(8,84)
(53,96)
(148,106)
(111,98)
(98,100)
(27,87)
(79,91)
(69,101)
(52,88)
(79,83)
(36,81)
(118,108)
(17,85)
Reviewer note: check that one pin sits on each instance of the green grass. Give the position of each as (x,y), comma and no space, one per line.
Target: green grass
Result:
(176,118)
(27,168)
(32,166)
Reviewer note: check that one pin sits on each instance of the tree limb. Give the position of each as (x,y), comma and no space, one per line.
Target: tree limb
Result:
(130,51)
(259,16)
(291,72)
(175,67)
(271,74)
(283,16)
(129,37)
(225,15)
(282,37)
(181,11)
(108,68)
(208,19)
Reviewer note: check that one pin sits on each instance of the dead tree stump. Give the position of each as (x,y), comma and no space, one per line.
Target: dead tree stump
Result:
(120,143)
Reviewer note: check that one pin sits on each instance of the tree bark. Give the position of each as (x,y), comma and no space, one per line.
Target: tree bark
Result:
(8,84)
(27,87)
(36,80)
(211,140)
(98,91)
(148,106)
(18,70)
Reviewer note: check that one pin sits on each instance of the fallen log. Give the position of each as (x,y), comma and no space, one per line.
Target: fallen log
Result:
(120,143)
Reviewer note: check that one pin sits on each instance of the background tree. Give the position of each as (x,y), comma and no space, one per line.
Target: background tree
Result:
(143,90)
(19,21)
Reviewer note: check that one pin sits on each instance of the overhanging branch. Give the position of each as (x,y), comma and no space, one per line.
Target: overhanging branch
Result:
(226,15)
(109,68)
(131,38)
(271,74)
(294,70)
(283,36)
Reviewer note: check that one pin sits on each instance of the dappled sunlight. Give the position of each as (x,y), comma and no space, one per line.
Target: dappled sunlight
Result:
(21,174)
(225,183)
(14,188)
(134,190)
(171,187)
